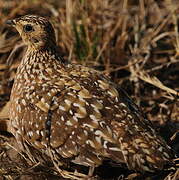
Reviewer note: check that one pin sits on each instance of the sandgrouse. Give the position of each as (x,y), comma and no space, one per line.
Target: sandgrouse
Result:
(76,111)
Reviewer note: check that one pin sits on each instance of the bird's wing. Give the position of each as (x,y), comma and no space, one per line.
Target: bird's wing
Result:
(85,116)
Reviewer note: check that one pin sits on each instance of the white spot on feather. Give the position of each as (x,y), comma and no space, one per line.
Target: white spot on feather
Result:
(115,149)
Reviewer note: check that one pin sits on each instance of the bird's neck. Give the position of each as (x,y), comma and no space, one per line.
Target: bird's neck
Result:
(39,65)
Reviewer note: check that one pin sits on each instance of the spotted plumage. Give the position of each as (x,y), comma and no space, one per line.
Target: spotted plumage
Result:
(77,112)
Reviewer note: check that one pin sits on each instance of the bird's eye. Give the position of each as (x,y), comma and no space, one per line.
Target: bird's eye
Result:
(28,28)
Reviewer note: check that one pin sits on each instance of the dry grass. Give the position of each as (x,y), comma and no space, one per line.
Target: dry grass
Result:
(136,43)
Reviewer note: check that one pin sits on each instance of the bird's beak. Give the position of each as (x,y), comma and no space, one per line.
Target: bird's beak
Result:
(11,22)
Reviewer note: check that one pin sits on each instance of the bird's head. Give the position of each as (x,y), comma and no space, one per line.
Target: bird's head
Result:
(37,32)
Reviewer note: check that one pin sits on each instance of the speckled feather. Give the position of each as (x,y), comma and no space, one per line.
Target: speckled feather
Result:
(78,112)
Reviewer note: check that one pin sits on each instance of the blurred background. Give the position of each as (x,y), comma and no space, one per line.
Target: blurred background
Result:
(134,42)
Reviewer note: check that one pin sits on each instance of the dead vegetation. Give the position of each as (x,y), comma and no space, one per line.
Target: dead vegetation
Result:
(136,43)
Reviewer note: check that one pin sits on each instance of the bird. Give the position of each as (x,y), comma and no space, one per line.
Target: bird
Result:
(76,111)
